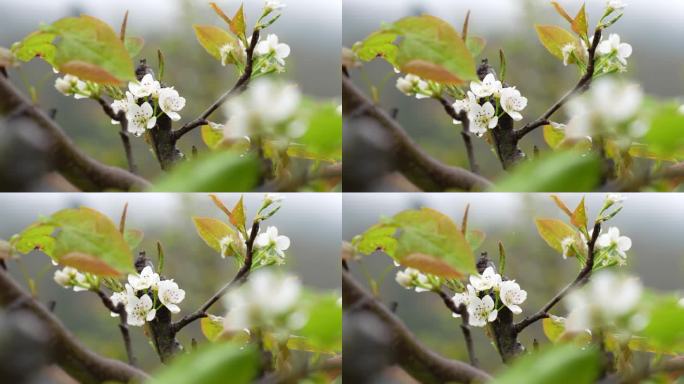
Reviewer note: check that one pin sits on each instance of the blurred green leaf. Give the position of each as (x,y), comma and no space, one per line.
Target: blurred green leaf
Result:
(323,330)
(134,45)
(36,44)
(237,24)
(475,239)
(212,327)
(564,364)
(212,231)
(579,215)
(90,242)
(323,138)
(377,237)
(212,38)
(553,231)
(580,25)
(378,44)
(213,364)
(237,216)
(566,171)
(665,134)
(553,136)
(476,45)
(133,238)
(222,171)
(211,137)
(664,329)
(554,38)
(36,236)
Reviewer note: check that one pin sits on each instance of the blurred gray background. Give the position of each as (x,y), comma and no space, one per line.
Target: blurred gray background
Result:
(311,221)
(652,221)
(311,28)
(655,29)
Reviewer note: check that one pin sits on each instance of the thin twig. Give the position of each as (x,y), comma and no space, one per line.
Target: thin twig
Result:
(468,338)
(467,141)
(123,326)
(123,133)
(239,278)
(582,85)
(238,88)
(580,280)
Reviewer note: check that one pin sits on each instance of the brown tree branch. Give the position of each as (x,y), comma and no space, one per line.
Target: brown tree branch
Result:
(123,326)
(580,280)
(240,277)
(123,133)
(582,85)
(80,169)
(468,338)
(238,88)
(465,134)
(420,168)
(416,359)
(79,361)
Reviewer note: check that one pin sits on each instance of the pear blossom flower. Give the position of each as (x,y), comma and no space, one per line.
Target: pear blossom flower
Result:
(170,295)
(271,239)
(613,45)
(488,280)
(566,246)
(482,118)
(272,46)
(481,311)
(230,50)
(122,105)
(607,298)
(463,298)
(489,86)
(616,4)
(265,300)
(464,105)
(146,280)
(121,298)
(513,102)
(140,118)
(66,276)
(148,86)
(615,198)
(413,278)
(273,5)
(406,277)
(66,85)
(412,85)
(171,102)
(271,198)
(512,296)
(568,50)
(139,310)
(618,244)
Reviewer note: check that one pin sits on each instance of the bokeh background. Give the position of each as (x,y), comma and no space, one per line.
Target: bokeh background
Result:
(311,221)
(311,28)
(652,221)
(654,28)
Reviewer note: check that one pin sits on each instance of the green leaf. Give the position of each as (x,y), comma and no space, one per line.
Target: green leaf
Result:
(377,237)
(431,242)
(237,24)
(212,38)
(554,38)
(579,216)
(553,136)
(237,216)
(134,45)
(561,205)
(553,329)
(220,13)
(36,44)
(580,25)
(212,231)
(664,136)
(37,236)
(221,171)
(212,327)
(211,137)
(553,231)
(378,44)
(133,238)
(476,45)
(475,239)
(566,171)
(561,11)
(323,138)
(90,242)
(564,364)
(323,330)
(433,49)
(90,49)
(664,330)
(212,365)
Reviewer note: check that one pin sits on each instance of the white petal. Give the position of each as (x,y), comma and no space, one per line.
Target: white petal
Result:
(514,308)
(172,307)
(624,50)
(282,243)
(492,315)
(282,50)
(624,243)
(151,314)
(516,116)
(173,116)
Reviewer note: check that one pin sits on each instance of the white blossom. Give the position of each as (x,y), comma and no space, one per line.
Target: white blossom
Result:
(230,50)
(171,102)
(139,310)
(121,298)
(140,118)
(170,295)
(481,311)
(463,298)
(148,86)
(482,118)
(566,245)
(412,85)
(271,239)
(568,50)
(265,300)
(616,243)
(488,280)
(66,276)
(512,296)
(464,105)
(72,85)
(272,46)
(513,103)
(616,4)
(146,280)
(613,45)
(122,105)
(489,86)
(271,198)
(607,298)
(615,198)
(406,277)
(273,5)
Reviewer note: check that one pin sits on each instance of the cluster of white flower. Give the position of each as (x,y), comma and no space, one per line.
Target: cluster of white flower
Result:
(266,300)
(267,109)
(143,293)
(614,246)
(482,310)
(412,85)
(611,54)
(72,85)
(69,277)
(484,116)
(414,279)
(269,54)
(608,108)
(141,117)
(608,300)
